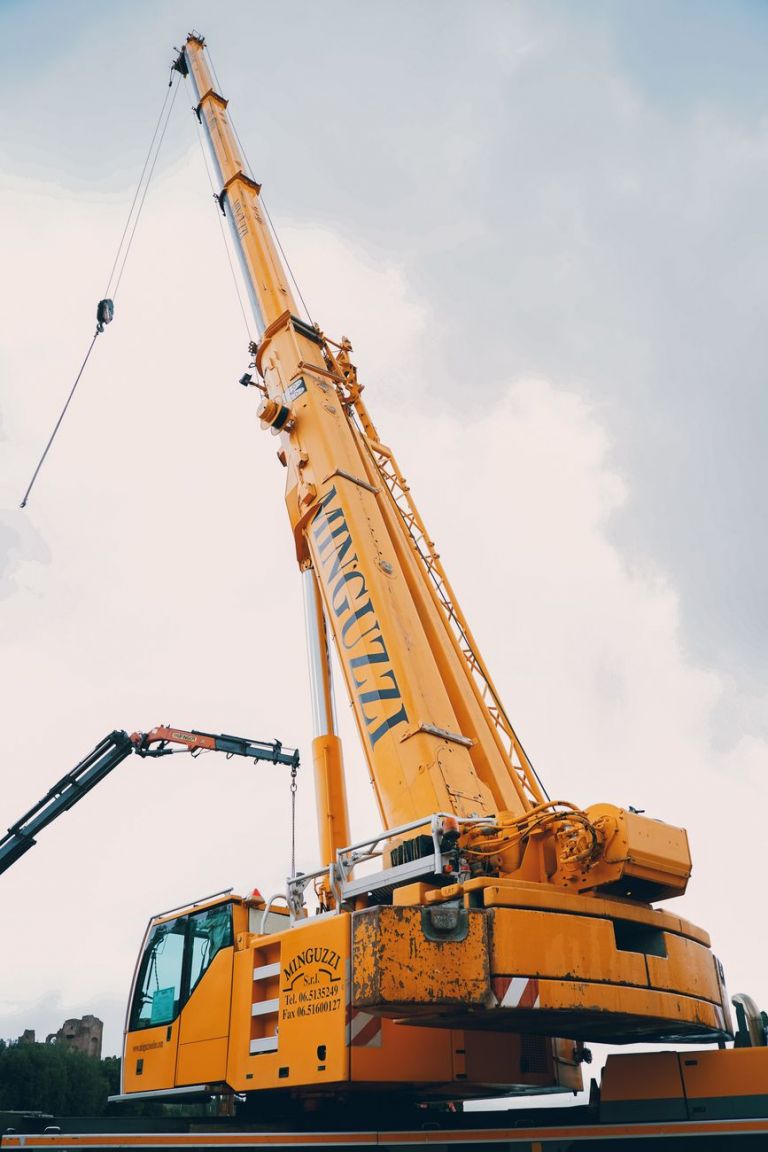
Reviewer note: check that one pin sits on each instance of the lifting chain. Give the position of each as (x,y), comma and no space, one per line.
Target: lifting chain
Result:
(294,787)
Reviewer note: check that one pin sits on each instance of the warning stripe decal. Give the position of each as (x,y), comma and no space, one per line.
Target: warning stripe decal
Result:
(516,991)
(363,1029)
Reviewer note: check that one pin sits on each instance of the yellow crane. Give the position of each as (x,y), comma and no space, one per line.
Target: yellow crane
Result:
(473,944)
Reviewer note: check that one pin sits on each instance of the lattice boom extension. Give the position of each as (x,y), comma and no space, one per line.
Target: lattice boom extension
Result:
(399,492)
(528,785)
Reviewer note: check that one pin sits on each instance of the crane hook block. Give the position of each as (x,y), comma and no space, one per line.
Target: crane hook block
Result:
(105,311)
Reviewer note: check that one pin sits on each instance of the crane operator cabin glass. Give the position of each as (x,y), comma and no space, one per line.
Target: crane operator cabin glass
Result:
(177,956)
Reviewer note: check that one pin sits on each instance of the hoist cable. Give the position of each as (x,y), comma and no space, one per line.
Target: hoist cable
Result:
(58,422)
(216,198)
(138,189)
(105,308)
(294,787)
(146,189)
(285,259)
(249,171)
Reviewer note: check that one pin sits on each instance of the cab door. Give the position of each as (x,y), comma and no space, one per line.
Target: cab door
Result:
(207,986)
(152,1033)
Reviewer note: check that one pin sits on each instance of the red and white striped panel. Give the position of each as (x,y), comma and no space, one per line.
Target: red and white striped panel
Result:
(363,1030)
(516,991)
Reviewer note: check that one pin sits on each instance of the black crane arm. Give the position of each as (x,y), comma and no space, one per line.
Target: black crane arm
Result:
(110,752)
(107,754)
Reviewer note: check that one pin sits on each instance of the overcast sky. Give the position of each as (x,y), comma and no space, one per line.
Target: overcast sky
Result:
(542,227)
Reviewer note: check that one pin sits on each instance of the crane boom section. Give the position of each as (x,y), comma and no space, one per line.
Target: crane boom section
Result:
(431,737)
(107,754)
(269,291)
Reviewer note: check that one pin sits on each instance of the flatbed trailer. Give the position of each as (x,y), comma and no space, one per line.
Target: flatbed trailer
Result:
(577,1130)
(698,1100)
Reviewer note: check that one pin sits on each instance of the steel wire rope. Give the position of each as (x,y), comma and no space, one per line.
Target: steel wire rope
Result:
(138,189)
(294,787)
(249,172)
(101,322)
(217,199)
(276,238)
(58,422)
(146,188)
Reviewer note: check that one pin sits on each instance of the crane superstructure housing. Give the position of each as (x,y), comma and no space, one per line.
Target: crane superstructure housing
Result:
(473,944)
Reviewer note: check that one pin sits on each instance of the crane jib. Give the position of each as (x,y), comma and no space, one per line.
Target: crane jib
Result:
(360,640)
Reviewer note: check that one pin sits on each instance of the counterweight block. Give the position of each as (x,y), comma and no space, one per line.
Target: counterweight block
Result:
(534,960)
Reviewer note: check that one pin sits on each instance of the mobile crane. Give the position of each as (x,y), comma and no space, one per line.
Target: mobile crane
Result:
(474,945)
(495,911)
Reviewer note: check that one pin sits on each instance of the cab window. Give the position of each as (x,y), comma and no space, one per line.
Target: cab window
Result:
(176,957)
(158,995)
(209,932)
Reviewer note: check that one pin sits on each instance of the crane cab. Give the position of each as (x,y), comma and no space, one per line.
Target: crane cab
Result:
(230,997)
(177,1027)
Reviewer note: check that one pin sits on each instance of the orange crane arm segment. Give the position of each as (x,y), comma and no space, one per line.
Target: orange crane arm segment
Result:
(434,733)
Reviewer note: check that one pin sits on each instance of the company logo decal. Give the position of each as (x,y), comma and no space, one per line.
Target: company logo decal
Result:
(311,983)
(359,634)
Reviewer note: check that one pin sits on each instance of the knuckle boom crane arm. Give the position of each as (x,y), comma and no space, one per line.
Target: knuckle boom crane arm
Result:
(110,752)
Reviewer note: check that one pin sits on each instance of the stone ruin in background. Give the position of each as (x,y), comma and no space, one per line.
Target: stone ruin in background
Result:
(83,1035)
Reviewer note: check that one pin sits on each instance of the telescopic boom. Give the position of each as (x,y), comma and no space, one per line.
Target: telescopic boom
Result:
(469,831)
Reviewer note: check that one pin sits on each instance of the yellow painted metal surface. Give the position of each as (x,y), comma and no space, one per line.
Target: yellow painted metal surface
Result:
(204,1025)
(202,1062)
(515,893)
(688,968)
(536,971)
(313,1001)
(330,796)
(734,1072)
(206,1014)
(384,1052)
(641,1076)
(561,947)
(316,1014)
(609,1012)
(394,963)
(263,263)
(302,1038)
(149,1059)
(644,854)
(685,1086)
